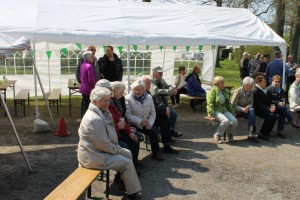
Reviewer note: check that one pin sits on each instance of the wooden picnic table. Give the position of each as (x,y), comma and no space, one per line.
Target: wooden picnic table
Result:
(73,86)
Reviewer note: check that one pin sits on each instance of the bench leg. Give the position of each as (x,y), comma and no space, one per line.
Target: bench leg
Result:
(89,192)
(107,185)
(23,103)
(15,104)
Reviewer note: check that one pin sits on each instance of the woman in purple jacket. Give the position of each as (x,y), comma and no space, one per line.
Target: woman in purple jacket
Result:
(88,80)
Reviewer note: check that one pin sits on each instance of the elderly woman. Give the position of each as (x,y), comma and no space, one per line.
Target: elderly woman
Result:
(262,108)
(242,102)
(88,80)
(98,143)
(126,134)
(277,97)
(140,112)
(294,94)
(220,109)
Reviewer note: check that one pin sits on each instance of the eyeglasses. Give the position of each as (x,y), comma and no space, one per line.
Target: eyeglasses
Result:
(92,49)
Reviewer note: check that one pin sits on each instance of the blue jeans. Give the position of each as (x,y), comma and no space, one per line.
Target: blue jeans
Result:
(250,116)
(283,113)
(172,119)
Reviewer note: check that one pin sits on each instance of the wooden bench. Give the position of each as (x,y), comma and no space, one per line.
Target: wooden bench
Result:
(20,99)
(194,100)
(77,183)
(54,97)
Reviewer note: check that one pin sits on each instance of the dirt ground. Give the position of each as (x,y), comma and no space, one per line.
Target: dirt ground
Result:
(202,170)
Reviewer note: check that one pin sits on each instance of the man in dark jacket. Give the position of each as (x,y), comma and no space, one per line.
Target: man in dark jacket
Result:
(244,66)
(261,68)
(110,66)
(253,64)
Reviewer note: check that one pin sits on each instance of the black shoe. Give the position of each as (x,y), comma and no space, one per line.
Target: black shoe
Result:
(176,134)
(121,186)
(169,149)
(281,135)
(253,139)
(158,156)
(263,137)
(172,140)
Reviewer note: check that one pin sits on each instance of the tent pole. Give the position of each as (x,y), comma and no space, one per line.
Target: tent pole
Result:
(42,88)
(49,69)
(15,131)
(35,85)
(214,60)
(128,67)
(163,65)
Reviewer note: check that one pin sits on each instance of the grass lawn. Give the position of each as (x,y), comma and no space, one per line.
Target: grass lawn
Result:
(230,71)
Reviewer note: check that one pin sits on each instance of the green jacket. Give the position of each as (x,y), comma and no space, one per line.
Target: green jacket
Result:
(213,102)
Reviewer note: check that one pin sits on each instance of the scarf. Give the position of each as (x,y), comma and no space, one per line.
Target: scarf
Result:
(141,98)
(298,87)
(264,90)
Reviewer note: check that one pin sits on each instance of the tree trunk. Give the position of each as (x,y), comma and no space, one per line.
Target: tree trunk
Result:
(296,35)
(279,19)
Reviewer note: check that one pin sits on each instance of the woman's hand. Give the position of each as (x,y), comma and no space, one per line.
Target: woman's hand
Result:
(133,137)
(121,125)
(144,122)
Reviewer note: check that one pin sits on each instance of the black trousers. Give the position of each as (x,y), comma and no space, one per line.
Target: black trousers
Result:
(269,122)
(177,96)
(162,122)
(153,136)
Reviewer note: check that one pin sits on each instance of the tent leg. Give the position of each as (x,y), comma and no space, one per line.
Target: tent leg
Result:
(42,88)
(128,67)
(15,131)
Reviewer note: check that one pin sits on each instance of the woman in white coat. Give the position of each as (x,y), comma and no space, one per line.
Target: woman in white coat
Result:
(294,94)
(98,143)
(140,112)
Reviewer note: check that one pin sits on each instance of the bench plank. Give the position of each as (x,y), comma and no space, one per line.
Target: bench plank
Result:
(22,94)
(74,185)
(55,94)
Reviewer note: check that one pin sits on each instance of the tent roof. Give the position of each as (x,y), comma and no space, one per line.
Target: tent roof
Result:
(124,23)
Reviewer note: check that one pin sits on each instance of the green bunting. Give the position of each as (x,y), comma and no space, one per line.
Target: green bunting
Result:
(174,48)
(48,54)
(78,45)
(135,47)
(200,48)
(213,46)
(104,49)
(65,51)
(147,47)
(161,47)
(120,49)
(32,53)
(187,48)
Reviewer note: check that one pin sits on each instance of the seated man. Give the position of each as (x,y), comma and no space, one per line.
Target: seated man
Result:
(242,102)
(294,94)
(162,116)
(160,90)
(194,86)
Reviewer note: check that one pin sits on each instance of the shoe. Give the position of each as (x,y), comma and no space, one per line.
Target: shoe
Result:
(176,134)
(230,138)
(281,135)
(253,139)
(173,140)
(169,149)
(294,124)
(135,196)
(263,137)
(158,156)
(218,138)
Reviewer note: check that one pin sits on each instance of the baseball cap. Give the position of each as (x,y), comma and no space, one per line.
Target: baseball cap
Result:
(157,69)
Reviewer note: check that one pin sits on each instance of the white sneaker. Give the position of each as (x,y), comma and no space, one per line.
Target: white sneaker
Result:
(218,138)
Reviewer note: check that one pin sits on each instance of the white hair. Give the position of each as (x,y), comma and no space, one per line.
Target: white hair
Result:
(87,54)
(138,83)
(248,81)
(117,87)
(99,93)
(103,83)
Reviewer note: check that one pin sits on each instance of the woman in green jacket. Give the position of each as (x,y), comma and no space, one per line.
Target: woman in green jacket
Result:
(220,109)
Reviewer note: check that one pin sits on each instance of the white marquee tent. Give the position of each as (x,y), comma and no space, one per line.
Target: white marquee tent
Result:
(133,23)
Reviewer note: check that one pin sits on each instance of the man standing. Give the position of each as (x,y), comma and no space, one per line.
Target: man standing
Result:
(253,64)
(91,48)
(261,68)
(244,66)
(160,90)
(276,68)
(110,66)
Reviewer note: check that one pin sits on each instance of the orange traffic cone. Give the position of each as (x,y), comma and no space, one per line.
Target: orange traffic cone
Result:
(62,129)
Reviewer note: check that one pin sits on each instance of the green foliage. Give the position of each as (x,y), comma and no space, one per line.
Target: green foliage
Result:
(230,72)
